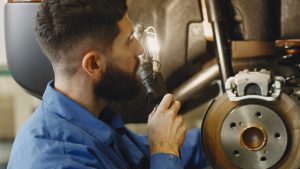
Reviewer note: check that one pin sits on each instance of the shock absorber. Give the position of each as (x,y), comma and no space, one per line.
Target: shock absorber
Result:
(289,56)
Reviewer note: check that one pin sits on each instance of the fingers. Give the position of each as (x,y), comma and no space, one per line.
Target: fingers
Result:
(166,130)
(153,112)
(178,121)
(166,102)
(180,129)
(175,106)
(182,133)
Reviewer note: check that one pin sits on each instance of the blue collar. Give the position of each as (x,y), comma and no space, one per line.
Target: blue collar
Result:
(112,119)
(59,104)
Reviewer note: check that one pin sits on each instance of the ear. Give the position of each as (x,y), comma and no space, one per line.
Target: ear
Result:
(93,63)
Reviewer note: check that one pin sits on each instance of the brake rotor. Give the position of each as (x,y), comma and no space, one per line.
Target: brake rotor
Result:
(252,134)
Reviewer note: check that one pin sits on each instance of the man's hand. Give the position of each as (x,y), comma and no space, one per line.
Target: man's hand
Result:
(166,130)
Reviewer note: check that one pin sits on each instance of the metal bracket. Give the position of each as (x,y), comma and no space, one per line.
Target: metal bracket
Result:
(254,85)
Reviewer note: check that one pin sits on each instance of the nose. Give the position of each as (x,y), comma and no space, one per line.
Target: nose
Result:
(139,48)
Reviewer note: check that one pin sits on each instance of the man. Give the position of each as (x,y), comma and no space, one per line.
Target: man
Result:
(93,52)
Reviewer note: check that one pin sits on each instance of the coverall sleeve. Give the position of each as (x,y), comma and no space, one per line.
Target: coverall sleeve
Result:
(191,154)
(44,154)
(165,161)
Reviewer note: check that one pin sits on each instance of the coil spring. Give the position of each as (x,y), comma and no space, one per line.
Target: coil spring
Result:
(290,56)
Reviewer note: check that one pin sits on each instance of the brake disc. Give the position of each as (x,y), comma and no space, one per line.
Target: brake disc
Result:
(257,130)
(252,134)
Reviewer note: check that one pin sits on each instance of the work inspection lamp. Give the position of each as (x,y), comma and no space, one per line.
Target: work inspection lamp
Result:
(149,71)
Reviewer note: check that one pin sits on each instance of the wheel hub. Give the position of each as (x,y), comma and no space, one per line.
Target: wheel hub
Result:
(253,136)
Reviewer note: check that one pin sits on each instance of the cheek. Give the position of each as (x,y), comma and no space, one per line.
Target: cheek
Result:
(124,63)
(131,64)
(125,58)
(128,61)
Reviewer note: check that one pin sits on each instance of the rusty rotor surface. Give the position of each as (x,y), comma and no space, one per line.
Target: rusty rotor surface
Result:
(286,118)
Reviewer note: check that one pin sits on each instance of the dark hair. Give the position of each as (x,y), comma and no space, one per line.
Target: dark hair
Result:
(63,25)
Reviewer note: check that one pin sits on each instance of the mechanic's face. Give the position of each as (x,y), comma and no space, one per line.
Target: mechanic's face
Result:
(126,48)
(119,81)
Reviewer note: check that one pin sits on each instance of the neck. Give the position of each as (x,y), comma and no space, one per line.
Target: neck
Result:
(81,91)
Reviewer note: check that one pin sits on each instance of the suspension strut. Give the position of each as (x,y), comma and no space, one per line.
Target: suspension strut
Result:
(290,56)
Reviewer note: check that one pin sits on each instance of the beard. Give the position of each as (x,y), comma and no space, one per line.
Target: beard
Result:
(117,85)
